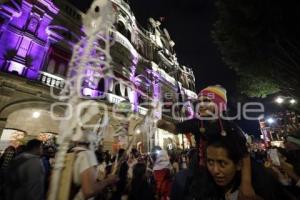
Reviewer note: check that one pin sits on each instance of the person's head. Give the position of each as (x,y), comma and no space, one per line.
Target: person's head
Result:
(51,152)
(224,156)
(134,153)
(34,146)
(100,148)
(20,149)
(212,101)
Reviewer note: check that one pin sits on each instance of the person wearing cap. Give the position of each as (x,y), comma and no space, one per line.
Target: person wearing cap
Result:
(207,123)
(162,174)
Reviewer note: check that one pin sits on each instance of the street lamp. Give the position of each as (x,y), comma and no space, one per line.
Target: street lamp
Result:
(282,99)
(292,101)
(279,100)
(36,115)
(270,120)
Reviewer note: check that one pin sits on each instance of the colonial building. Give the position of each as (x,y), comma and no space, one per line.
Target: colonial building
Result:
(36,40)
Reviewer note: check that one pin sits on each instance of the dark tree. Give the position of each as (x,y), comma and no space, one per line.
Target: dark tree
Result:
(260,40)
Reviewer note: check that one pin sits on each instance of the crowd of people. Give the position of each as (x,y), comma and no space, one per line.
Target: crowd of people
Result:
(220,166)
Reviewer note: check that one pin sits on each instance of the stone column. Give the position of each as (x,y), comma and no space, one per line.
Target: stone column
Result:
(2,125)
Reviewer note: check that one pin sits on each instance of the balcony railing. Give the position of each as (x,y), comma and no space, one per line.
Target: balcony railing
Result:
(51,80)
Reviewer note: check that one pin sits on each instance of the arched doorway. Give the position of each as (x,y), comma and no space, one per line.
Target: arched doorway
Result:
(32,116)
(33,121)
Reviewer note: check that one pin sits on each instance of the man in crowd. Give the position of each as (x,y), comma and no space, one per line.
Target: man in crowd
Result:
(26,174)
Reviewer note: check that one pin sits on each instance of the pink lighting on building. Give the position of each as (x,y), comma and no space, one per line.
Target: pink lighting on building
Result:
(24,40)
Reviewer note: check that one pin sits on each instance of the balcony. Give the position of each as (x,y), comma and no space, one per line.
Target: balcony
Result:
(121,39)
(123,5)
(51,80)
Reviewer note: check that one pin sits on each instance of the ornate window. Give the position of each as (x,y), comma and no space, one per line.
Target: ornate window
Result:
(51,66)
(33,24)
(61,69)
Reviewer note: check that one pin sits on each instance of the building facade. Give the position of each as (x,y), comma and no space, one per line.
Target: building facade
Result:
(36,40)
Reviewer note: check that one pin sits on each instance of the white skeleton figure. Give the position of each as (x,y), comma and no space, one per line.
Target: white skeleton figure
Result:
(85,59)
(85,65)
(99,17)
(85,69)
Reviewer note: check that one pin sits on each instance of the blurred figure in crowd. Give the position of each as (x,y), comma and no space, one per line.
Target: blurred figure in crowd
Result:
(7,156)
(183,179)
(26,174)
(132,160)
(48,153)
(162,173)
(140,188)
(122,172)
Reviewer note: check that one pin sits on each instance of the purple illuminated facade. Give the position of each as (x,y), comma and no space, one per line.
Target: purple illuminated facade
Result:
(23,38)
(37,36)
(36,41)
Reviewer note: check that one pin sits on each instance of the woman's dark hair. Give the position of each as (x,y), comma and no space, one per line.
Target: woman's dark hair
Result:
(232,143)
(202,185)
(20,149)
(135,153)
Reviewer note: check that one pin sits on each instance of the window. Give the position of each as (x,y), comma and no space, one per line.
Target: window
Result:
(117,89)
(32,26)
(51,66)
(61,69)
(101,85)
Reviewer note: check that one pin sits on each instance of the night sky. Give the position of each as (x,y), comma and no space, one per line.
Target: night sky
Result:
(189,23)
